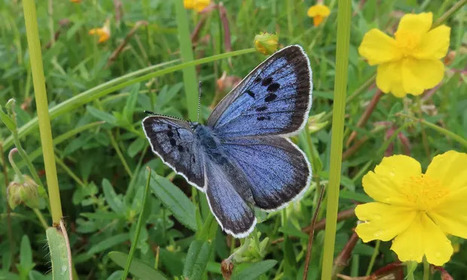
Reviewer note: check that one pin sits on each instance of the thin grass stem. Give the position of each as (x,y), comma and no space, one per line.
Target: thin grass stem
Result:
(340,91)
(32,32)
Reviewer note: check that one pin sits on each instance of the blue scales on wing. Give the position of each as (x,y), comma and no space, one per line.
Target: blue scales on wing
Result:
(274,99)
(228,204)
(277,171)
(173,140)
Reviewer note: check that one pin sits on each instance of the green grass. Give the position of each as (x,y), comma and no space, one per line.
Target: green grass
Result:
(96,108)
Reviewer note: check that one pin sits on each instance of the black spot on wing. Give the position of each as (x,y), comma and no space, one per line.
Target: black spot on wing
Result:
(170,133)
(257,80)
(274,87)
(250,93)
(262,118)
(267,81)
(173,142)
(180,148)
(262,108)
(270,97)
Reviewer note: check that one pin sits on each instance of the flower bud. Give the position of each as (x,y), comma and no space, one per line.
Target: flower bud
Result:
(266,43)
(24,191)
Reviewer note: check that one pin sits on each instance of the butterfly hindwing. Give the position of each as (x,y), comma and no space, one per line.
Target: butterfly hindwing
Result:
(231,210)
(276,169)
(173,140)
(274,99)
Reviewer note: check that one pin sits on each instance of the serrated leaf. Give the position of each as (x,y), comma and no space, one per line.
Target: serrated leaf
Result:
(254,271)
(196,259)
(175,200)
(138,268)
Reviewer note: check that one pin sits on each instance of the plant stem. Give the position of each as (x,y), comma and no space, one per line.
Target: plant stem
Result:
(340,86)
(449,13)
(32,32)
(373,258)
(138,228)
(426,270)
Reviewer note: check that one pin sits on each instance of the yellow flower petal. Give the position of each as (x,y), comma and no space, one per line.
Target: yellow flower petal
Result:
(423,237)
(418,75)
(415,23)
(378,47)
(386,183)
(450,169)
(434,44)
(317,20)
(318,10)
(389,78)
(451,214)
(189,4)
(382,221)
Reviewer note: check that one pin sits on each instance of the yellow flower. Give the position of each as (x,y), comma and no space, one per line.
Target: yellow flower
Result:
(103,32)
(416,210)
(318,12)
(266,43)
(410,62)
(197,5)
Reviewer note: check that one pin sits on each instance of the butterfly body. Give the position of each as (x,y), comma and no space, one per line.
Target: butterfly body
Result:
(242,159)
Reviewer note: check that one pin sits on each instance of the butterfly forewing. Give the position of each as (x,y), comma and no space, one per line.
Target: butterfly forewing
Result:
(173,140)
(274,99)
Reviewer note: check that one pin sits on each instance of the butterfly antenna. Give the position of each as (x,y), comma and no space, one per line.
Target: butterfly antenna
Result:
(149,112)
(199,99)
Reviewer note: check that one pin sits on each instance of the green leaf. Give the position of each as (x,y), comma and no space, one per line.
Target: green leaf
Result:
(360,197)
(175,200)
(130,105)
(108,118)
(25,258)
(112,198)
(58,253)
(108,243)
(254,271)
(138,268)
(136,146)
(9,123)
(196,259)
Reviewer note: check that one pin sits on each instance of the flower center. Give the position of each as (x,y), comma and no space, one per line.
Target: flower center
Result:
(424,192)
(407,41)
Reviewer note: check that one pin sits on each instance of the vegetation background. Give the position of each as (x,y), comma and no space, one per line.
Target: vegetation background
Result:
(97,95)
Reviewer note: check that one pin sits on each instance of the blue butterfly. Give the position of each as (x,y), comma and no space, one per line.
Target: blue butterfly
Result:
(242,159)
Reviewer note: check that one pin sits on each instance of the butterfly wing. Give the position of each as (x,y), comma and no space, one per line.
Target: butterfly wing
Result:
(228,204)
(277,171)
(274,99)
(174,142)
